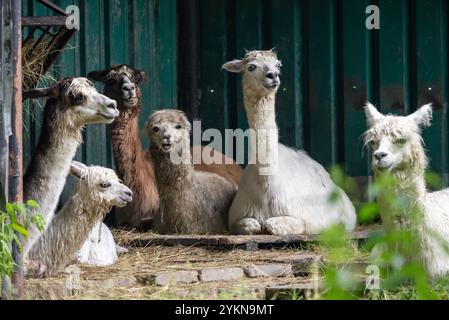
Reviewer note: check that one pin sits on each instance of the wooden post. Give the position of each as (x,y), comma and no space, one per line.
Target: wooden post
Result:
(15,140)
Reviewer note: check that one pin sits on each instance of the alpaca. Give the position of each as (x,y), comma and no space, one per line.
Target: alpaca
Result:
(191,201)
(397,149)
(100,248)
(133,164)
(295,198)
(98,190)
(72,103)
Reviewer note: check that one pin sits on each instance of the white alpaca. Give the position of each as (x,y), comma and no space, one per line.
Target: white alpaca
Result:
(100,248)
(98,190)
(284,191)
(72,103)
(397,148)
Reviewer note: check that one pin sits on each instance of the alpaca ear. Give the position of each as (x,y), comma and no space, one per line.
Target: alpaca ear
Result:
(98,75)
(233,66)
(422,116)
(140,76)
(78,169)
(53,91)
(372,115)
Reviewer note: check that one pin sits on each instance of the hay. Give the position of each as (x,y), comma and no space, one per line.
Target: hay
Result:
(34,55)
(142,262)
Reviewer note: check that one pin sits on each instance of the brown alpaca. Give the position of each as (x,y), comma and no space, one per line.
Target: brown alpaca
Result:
(191,201)
(134,165)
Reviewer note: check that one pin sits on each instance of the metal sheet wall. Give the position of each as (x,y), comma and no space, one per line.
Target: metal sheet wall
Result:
(332,64)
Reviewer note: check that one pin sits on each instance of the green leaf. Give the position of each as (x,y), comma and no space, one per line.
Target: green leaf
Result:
(20,229)
(32,204)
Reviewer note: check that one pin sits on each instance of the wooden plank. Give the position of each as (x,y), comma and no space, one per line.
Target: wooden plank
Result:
(43,21)
(246,242)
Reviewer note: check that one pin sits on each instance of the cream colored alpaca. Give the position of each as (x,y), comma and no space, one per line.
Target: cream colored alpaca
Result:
(284,191)
(397,148)
(98,190)
(72,103)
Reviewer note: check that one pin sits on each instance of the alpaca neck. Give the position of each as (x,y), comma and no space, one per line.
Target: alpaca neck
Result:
(45,177)
(172,174)
(126,145)
(409,187)
(262,119)
(68,230)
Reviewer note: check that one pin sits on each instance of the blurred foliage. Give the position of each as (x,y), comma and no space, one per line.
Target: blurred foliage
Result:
(387,256)
(16,220)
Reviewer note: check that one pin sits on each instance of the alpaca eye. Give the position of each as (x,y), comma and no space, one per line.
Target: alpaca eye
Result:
(400,141)
(105,185)
(155,129)
(279,65)
(178,126)
(77,99)
(251,67)
(110,80)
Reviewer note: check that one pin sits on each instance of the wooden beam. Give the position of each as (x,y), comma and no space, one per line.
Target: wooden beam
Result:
(44,21)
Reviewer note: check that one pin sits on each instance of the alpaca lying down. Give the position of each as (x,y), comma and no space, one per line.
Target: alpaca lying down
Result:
(397,150)
(97,191)
(283,191)
(191,201)
(100,248)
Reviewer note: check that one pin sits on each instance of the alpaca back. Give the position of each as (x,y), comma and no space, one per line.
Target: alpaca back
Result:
(231,172)
(300,188)
(435,236)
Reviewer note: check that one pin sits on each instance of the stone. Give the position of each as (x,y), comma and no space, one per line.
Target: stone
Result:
(221,274)
(269,270)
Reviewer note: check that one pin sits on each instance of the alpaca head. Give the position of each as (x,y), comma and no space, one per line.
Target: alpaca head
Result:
(396,141)
(101,185)
(77,102)
(261,71)
(121,84)
(168,129)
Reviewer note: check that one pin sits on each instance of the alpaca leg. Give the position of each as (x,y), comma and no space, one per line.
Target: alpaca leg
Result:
(247,226)
(120,249)
(284,225)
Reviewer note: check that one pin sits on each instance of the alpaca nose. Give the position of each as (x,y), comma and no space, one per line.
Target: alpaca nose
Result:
(129,193)
(272,75)
(112,105)
(379,155)
(129,87)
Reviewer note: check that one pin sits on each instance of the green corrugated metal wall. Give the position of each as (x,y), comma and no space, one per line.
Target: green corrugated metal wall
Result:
(332,64)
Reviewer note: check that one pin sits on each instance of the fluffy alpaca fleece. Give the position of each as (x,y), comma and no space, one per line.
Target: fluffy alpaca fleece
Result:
(100,248)
(73,103)
(290,193)
(134,165)
(191,201)
(397,149)
(98,190)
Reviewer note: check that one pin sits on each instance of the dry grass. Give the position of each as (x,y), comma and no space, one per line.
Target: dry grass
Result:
(34,55)
(126,278)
